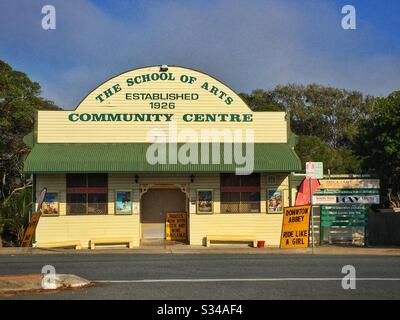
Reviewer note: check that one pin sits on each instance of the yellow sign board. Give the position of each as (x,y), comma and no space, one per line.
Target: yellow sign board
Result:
(30,231)
(295,227)
(176,226)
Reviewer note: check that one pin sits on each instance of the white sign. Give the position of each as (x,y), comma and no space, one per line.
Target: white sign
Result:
(345,199)
(192,207)
(314,170)
(358,199)
(324,200)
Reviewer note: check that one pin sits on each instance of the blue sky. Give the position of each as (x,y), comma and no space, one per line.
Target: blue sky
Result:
(246,44)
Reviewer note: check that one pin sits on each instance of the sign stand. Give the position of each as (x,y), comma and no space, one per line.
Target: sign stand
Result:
(312,215)
(30,230)
(314,170)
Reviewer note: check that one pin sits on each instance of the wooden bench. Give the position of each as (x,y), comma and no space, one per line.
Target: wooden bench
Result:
(243,238)
(106,241)
(60,244)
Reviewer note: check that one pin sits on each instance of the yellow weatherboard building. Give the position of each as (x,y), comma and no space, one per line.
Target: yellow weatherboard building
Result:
(154,142)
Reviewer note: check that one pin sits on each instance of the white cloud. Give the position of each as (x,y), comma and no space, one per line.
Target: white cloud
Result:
(246,44)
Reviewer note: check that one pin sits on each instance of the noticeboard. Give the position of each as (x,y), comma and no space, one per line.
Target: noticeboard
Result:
(344,205)
(295,227)
(176,226)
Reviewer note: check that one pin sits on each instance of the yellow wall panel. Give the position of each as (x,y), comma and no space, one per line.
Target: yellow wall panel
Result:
(53,183)
(265,227)
(56,127)
(83,228)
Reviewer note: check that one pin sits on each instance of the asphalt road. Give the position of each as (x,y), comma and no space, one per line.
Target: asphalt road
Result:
(214,276)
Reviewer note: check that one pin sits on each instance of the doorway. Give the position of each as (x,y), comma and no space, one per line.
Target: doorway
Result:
(155,203)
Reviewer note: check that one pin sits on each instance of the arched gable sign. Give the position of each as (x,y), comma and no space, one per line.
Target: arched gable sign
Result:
(126,107)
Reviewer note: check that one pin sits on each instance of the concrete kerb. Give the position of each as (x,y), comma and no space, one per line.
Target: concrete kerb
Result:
(217,249)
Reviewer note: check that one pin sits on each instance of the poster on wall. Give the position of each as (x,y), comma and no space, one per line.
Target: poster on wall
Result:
(123,204)
(50,203)
(274,201)
(204,201)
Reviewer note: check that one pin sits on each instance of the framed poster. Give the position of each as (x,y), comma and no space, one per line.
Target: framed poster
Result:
(50,204)
(205,201)
(274,201)
(123,202)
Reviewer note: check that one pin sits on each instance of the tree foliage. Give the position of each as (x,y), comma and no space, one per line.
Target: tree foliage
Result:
(326,118)
(19,98)
(378,141)
(261,100)
(329,113)
(337,160)
(14,217)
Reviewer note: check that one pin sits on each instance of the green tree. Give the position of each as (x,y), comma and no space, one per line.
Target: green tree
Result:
(337,160)
(261,100)
(329,113)
(378,141)
(14,217)
(19,98)
(332,115)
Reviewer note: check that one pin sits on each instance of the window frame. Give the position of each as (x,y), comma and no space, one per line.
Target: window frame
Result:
(86,191)
(241,189)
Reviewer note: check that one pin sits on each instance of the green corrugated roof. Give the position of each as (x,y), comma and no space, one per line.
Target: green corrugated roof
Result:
(131,157)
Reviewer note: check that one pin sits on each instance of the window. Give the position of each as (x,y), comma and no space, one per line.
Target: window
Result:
(240,194)
(87,193)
